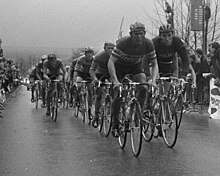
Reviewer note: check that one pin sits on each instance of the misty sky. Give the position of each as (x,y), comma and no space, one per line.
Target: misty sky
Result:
(68,23)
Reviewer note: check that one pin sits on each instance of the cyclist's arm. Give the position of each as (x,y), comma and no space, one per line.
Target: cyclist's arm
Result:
(45,72)
(185,60)
(155,70)
(69,74)
(38,76)
(111,69)
(64,72)
(92,71)
(175,66)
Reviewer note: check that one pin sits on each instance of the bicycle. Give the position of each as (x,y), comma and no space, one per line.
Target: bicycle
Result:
(82,104)
(53,85)
(105,110)
(37,84)
(161,118)
(129,116)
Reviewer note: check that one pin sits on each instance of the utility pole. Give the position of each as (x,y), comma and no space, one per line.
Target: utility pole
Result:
(120,30)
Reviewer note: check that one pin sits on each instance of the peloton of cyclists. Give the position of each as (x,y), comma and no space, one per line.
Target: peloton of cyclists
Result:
(127,58)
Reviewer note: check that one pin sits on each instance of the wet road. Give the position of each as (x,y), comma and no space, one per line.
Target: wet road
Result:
(31,144)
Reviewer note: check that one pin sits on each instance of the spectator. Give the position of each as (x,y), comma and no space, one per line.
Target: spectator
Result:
(201,67)
(215,61)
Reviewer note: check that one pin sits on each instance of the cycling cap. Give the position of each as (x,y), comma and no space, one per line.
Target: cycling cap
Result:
(89,50)
(165,28)
(44,57)
(108,44)
(136,27)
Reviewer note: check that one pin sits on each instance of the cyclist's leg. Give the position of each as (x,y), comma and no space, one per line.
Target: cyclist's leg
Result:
(32,79)
(116,101)
(97,106)
(141,77)
(59,85)
(43,94)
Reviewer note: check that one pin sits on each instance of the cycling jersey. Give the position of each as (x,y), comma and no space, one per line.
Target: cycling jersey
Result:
(166,54)
(83,64)
(101,59)
(39,67)
(129,54)
(55,68)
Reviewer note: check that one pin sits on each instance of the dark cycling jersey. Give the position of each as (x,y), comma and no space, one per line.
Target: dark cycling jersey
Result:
(83,64)
(166,54)
(55,68)
(129,54)
(33,74)
(101,60)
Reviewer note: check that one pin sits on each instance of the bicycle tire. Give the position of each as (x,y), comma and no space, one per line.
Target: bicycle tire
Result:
(100,118)
(107,124)
(136,126)
(179,110)
(54,105)
(123,124)
(169,129)
(36,98)
(148,127)
(76,106)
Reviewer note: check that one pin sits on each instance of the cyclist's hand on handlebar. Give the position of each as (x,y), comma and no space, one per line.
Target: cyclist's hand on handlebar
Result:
(117,84)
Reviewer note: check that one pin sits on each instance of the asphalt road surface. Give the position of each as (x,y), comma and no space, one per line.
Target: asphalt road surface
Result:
(31,144)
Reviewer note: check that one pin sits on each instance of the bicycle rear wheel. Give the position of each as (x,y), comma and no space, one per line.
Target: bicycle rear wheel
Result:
(123,126)
(136,127)
(107,116)
(168,122)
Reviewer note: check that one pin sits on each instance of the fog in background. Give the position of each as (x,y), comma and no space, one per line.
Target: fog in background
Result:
(68,23)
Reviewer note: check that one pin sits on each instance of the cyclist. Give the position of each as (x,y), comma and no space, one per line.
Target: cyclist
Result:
(81,72)
(70,77)
(167,45)
(127,58)
(39,75)
(53,68)
(99,70)
(32,77)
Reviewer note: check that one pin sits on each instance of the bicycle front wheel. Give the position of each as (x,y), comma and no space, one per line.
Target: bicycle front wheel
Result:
(123,126)
(36,98)
(100,118)
(179,110)
(136,127)
(107,116)
(54,105)
(168,122)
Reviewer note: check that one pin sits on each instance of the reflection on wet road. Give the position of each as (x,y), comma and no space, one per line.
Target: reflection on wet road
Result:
(33,145)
